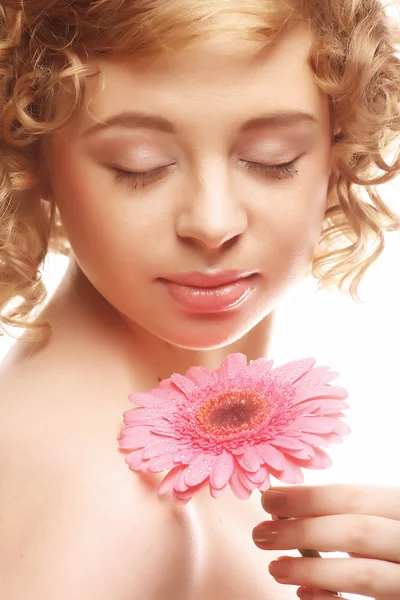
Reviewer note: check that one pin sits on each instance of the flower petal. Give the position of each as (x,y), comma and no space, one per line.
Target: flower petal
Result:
(321,460)
(333,438)
(222,470)
(246,482)
(217,492)
(259,476)
(134,459)
(144,399)
(285,441)
(231,365)
(305,453)
(199,469)
(140,439)
(137,428)
(186,385)
(321,391)
(199,375)
(140,416)
(162,428)
(259,368)
(164,385)
(315,440)
(250,460)
(184,497)
(168,393)
(292,371)
(314,424)
(271,456)
(265,485)
(165,429)
(169,480)
(238,488)
(291,473)
(316,376)
(180,483)
(342,428)
(180,499)
(160,463)
(184,455)
(165,446)
(323,407)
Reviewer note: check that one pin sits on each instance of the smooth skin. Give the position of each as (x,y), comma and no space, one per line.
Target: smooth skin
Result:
(75,522)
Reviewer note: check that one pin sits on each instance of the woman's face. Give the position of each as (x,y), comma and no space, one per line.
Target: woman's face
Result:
(211,118)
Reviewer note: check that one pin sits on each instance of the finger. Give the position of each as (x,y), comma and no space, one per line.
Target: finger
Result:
(295,501)
(305,593)
(373,537)
(366,577)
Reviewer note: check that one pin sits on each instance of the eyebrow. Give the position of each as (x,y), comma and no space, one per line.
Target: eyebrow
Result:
(140,120)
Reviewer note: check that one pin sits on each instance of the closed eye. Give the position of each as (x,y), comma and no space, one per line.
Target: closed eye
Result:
(144,178)
(281,171)
(135,178)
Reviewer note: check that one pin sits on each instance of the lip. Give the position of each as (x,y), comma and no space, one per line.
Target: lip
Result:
(207,280)
(217,293)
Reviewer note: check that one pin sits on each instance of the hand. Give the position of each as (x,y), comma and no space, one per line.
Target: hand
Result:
(362,520)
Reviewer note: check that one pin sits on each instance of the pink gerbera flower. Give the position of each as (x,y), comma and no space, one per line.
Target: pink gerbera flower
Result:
(236,425)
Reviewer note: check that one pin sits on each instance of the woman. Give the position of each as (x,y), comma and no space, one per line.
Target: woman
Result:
(196,160)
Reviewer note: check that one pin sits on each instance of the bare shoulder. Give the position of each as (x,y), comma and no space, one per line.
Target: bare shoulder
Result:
(75,522)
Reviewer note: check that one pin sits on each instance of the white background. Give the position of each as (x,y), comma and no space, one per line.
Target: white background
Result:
(360,341)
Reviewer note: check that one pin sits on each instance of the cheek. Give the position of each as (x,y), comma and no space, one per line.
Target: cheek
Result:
(297,227)
(97,217)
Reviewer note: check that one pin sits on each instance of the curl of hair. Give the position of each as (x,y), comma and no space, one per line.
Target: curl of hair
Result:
(43,47)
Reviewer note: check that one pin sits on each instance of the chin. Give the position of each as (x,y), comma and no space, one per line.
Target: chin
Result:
(207,335)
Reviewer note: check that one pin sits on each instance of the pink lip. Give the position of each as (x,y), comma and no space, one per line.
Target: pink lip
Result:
(207,280)
(203,293)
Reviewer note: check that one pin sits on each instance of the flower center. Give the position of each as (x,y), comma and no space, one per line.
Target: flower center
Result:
(231,412)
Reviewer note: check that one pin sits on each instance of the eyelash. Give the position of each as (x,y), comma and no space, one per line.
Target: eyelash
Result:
(278,171)
(146,177)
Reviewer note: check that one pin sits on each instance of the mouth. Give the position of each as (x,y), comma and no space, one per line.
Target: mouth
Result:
(199,293)
(208,280)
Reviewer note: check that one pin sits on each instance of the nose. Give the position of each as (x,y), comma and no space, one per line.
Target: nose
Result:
(212,214)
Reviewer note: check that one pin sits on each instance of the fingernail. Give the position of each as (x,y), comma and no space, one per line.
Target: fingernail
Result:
(278,568)
(265,534)
(273,499)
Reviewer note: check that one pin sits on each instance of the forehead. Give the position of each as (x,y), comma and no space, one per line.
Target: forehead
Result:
(218,76)
(212,61)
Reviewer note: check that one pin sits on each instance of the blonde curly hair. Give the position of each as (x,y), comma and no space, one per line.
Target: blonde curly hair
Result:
(43,46)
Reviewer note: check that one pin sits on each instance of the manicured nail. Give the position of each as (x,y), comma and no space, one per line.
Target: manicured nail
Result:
(265,534)
(273,499)
(278,568)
